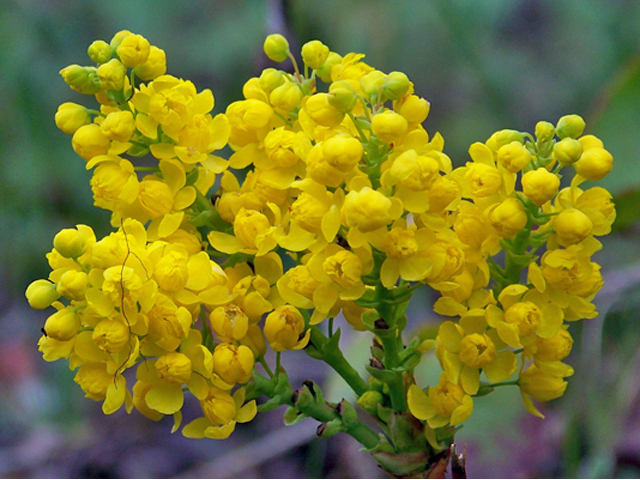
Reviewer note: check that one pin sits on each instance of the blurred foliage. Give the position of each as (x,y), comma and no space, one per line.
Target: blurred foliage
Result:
(482,65)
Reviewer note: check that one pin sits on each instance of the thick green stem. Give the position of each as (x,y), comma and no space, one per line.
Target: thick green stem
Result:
(333,357)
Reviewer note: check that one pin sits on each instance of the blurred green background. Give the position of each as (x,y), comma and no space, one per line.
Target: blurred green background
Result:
(483,65)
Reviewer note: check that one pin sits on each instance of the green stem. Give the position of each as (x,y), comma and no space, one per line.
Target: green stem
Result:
(265,365)
(335,359)
(513,268)
(504,384)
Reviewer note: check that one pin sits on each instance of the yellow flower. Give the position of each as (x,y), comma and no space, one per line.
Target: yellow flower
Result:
(404,247)
(389,126)
(321,111)
(118,126)
(221,413)
(73,243)
(71,116)
(233,363)
(508,217)
(594,164)
(339,272)
(90,141)
(465,350)
(112,74)
(525,314)
(62,325)
(73,285)
(567,151)
(534,382)
(572,226)
(284,329)
(446,404)
(154,67)
(514,156)
(570,126)
(98,384)
(229,322)
(133,50)
(41,294)
(111,335)
(367,211)
(314,54)
(276,47)
(540,185)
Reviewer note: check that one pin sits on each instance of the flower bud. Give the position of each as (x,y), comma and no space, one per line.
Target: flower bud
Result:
(324,72)
(155,197)
(89,141)
(570,126)
(154,67)
(503,137)
(321,111)
(545,131)
(248,225)
(99,51)
(541,386)
(286,97)
(370,400)
(71,116)
(110,335)
(344,268)
(594,164)
(284,329)
(314,54)
(396,85)
(508,217)
(41,294)
(368,210)
(590,141)
(174,367)
(372,82)
(82,79)
(414,109)
(270,79)
(118,38)
(572,226)
(133,50)
(276,47)
(342,96)
(73,285)
(112,74)
(234,364)
(514,156)
(62,325)
(540,185)
(229,322)
(118,126)
(567,151)
(483,180)
(389,126)
(554,348)
(94,380)
(342,151)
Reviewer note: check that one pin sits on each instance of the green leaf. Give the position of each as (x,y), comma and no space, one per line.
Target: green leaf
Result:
(293,416)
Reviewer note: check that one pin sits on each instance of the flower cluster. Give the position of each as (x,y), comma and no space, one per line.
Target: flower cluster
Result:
(335,202)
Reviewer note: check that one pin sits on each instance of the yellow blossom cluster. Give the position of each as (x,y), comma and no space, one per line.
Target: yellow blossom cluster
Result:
(335,200)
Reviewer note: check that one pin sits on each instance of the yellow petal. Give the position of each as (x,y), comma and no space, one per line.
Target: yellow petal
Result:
(463,412)
(196,428)
(419,403)
(165,398)
(450,336)
(177,420)
(221,432)
(470,380)
(184,198)
(247,412)
(502,367)
(528,404)
(169,224)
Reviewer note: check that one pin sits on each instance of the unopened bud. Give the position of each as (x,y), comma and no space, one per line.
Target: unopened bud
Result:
(276,47)
(570,126)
